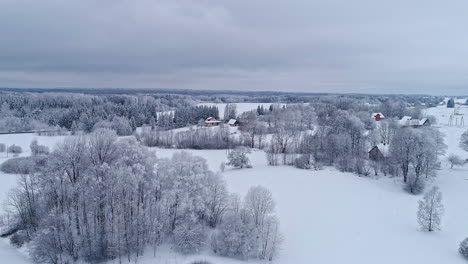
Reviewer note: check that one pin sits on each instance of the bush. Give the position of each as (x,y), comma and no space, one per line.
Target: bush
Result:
(15,149)
(238,158)
(37,149)
(20,165)
(455,161)
(235,238)
(2,147)
(189,238)
(303,162)
(414,185)
(463,249)
(19,238)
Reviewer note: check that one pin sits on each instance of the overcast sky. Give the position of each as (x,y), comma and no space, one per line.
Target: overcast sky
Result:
(347,46)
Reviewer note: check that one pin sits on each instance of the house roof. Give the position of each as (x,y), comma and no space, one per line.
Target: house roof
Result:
(422,121)
(211,120)
(232,121)
(413,122)
(380,114)
(404,121)
(384,149)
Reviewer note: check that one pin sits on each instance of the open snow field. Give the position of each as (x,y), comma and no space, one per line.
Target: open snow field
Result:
(327,216)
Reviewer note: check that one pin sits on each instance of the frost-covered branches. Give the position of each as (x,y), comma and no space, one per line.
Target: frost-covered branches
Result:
(96,198)
(430,210)
(238,158)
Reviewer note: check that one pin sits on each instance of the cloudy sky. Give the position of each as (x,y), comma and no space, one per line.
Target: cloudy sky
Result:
(358,46)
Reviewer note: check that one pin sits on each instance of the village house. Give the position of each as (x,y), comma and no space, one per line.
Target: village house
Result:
(408,121)
(233,122)
(211,121)
(378,152)
(378,116)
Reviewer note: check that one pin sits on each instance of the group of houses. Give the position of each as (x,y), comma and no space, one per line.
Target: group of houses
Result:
(380,151)
(212,122)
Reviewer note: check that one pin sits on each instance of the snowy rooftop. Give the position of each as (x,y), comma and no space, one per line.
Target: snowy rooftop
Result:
(375,114)
(232,121)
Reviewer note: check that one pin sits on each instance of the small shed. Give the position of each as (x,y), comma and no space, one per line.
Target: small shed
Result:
(378,152)
(233,122)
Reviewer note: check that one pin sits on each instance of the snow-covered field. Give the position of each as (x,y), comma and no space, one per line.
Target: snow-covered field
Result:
(327,216)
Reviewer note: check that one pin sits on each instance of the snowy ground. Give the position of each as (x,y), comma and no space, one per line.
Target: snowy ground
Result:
(331,217)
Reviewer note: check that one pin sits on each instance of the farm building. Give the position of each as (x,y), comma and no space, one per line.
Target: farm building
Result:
(378,152)
(233,122)
(408,121)
(378,116)
(211,121)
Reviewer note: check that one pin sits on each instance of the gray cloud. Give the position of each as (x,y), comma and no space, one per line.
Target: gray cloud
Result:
(292,45)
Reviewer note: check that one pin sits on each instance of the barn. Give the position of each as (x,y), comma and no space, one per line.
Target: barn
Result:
(233,122)
(378,152)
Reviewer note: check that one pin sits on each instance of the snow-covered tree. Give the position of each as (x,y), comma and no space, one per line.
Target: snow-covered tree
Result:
(235,237)
(451,103)
(455,160)
(463,248)
(464,141)
(37,149)
(430,210)
(230,111)
(238,158)
(259,204)
(189,237)
(15,149)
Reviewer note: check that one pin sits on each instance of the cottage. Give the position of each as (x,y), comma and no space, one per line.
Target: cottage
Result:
(233,122)
(408,121)
(378,116)
(404,121)
(211,121)
(378,152)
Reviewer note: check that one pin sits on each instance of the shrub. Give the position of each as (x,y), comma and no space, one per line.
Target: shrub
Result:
(2,147)
(303,162)
(238,157)
(189,238)
(455,161)
(463,249)
(414,185)
(37,149)
(20,165)
(15,149)
(19,238)
(235,238)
